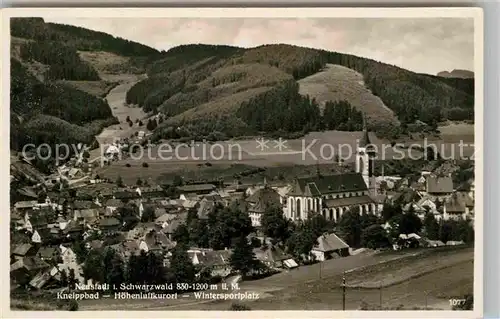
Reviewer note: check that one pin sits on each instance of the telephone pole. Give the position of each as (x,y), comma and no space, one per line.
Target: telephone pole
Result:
(343,291)
(380,294)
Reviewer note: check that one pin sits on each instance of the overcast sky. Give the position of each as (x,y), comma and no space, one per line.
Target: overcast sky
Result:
(426,45)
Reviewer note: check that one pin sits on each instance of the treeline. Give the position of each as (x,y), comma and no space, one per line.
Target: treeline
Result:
(410,95)
(77,37)
(281,109)
(64,61)
(340,115)
(186,55)
(30,96)
(49,113)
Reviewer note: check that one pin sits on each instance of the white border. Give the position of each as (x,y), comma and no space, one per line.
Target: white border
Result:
(475,13)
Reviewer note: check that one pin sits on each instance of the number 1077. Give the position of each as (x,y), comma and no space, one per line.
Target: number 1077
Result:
(457,302)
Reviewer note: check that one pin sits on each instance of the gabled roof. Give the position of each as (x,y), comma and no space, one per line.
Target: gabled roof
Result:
(197,187)
(330,242)
(439,185)
(112,202)
(84,204)
(458,202)
(212,258)
(328,184)
(26,204)
(22,249)
(270,254)
(109,222)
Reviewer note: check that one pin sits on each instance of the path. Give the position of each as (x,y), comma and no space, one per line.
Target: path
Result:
(116,99)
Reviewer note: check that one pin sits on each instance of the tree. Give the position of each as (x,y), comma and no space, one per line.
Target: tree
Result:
(177,181)
(64,278)
(93,268)
(42,196)
(349,227)
(119,181)
(302,241)
(198,233)
(72,278)
(181,234)
(374,237)
(148,215)
(181,266)
(409,223)
(115,272)
(389,211)
(431,227)
(274,224)
(243,258)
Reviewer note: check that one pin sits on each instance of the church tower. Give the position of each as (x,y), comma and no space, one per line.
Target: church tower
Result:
(365,159)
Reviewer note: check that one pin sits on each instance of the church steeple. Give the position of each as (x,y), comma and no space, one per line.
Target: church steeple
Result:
(365,139)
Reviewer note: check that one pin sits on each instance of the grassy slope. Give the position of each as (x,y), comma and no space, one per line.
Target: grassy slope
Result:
(336,83)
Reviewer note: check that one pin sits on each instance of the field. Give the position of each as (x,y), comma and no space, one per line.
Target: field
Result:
(317,287)
(336,83)
(228,158)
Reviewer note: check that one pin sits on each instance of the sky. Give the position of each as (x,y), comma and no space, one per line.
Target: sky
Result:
(424,45)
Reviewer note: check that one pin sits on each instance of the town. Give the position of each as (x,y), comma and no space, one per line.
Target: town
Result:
(106,233)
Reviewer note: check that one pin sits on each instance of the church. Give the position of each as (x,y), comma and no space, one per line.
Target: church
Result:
(332,195)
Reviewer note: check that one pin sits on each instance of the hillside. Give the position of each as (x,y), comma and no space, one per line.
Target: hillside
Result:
(59,77)
(193,82)
(462,74)
(337,83)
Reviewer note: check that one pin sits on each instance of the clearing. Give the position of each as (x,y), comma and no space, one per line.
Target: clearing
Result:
(336,82)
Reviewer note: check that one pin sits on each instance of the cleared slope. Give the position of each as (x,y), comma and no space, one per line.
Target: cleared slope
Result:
(336,82)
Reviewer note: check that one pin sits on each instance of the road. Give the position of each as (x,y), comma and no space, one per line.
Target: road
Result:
(117,101)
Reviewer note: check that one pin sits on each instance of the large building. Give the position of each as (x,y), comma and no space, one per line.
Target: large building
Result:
(332,195)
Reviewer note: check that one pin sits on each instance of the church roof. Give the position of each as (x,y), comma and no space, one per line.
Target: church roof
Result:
(328,184)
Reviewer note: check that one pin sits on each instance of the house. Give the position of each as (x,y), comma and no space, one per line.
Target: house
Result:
(25,205)
(170,227)
(50,255)
(75,173)
(23,270)
(23,250)
(109,225)
(332,195)
(328,245)
(206,206)
(216,262)
(459,206)
(197,188)
(126,249)
(272,256)
(84,204)
(125,195)
(439,186)
(261,201)
(151,192)
(45,277)
(70,262)
(155,241)
(89,216)
(112,205)
(112,151)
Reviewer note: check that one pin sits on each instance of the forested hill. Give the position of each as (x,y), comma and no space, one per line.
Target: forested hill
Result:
(228,91)
(56,90)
